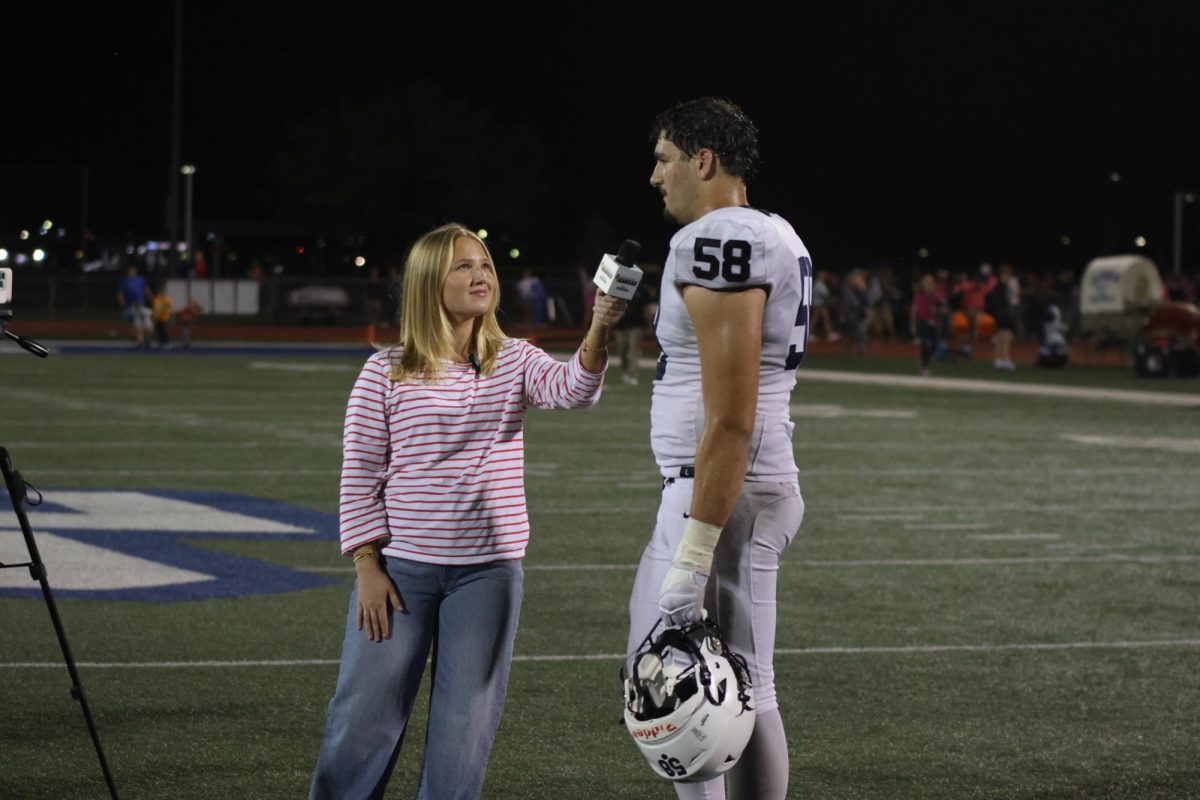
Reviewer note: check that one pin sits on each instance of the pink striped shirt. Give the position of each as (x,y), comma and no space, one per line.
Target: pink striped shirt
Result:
(436,471)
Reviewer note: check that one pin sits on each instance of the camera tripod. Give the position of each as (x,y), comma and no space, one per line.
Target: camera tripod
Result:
(17,492)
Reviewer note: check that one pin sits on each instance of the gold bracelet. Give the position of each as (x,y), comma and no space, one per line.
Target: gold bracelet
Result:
(601,349)
(366,551)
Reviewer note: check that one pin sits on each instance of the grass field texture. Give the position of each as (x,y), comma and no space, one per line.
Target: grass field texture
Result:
(992,595)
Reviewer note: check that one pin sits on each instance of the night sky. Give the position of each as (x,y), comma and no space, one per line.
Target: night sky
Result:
(979,134)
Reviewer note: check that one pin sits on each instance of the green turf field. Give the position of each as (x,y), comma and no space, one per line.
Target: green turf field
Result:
(992,595)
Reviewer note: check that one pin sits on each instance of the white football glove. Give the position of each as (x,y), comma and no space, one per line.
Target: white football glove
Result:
(681,597)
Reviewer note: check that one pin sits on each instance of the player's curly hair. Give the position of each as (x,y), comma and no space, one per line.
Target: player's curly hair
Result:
(716,124)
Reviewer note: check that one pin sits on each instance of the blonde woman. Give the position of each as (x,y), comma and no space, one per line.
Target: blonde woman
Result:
(433,516)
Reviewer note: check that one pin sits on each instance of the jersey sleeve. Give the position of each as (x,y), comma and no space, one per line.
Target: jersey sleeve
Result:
(722,255)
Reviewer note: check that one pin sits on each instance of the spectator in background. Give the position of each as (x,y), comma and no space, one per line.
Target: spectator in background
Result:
(1174,289)
(941,285)
(1066,291)
(525,291)
(1012,284)
(997,304)
(854,311)
(162,311)
(1052,340)
(630,331)
(537,300)
(923,318)
(881,293)
(200,265)
(967,300)
(822,321)
(132,294)
(187,317)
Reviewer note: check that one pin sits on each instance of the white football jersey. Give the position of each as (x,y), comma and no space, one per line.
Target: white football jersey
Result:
(728,250)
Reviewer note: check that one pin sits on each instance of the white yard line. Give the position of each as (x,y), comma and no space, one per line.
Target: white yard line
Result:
(1110,558)
(187,472)
(1159,443)
(1107,558)
(999,387)
(1013,537)
(946,526)
(1031,647)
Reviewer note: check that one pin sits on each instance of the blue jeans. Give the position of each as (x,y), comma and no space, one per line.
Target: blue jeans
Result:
(468,615)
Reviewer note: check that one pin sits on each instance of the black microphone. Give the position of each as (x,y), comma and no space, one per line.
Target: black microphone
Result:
(627,255)
(474,359)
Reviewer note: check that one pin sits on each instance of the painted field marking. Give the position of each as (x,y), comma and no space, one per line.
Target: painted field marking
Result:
(1013,537)
(79,566)
(1107,558)
(880,517)
(301,366)
(142,443)
(1110,558)
(805,411)
(185,472)
(946,526)
(1031,647)
(998,387)
(1174,444)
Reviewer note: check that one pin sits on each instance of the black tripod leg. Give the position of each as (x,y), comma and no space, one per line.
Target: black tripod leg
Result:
(16,492)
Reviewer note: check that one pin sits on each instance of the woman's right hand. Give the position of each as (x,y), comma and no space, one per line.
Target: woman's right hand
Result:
(375,592)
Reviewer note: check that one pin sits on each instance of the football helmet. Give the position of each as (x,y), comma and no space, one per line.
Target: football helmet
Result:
(688,702)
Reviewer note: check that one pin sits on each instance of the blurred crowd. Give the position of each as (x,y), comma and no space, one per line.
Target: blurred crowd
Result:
(948,312)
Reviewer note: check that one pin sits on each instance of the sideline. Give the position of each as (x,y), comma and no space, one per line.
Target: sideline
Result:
(999,387)
(1031,647)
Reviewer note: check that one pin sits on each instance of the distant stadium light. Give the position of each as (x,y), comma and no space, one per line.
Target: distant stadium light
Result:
(1140,241)
(79,255)
(1064,240)
(923,252)
(1114,177)
(360,262)
(24,235)
(514,253)
(481,233)
(187,169)
(39,255)
(21,258)
(47,225)
(3,254)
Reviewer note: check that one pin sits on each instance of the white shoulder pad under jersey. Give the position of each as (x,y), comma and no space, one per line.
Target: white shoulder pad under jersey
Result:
(732,249)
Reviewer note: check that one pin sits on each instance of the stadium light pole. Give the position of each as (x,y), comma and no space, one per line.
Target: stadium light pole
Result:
(1177,232)
(176,125)
(188,171)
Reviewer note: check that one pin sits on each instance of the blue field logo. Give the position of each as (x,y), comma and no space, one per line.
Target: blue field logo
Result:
(139,545)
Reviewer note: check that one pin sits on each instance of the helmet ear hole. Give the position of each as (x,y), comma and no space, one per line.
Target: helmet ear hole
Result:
(721,687)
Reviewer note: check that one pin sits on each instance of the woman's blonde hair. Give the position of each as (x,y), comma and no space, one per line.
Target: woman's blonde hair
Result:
(425,333)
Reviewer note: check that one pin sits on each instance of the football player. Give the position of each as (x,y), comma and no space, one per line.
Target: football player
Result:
(733,325)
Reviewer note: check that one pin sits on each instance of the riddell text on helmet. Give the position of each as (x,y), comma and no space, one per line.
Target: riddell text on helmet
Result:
(654,732)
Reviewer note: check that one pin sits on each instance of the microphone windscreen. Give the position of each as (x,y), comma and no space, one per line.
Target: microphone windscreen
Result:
(628,254)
